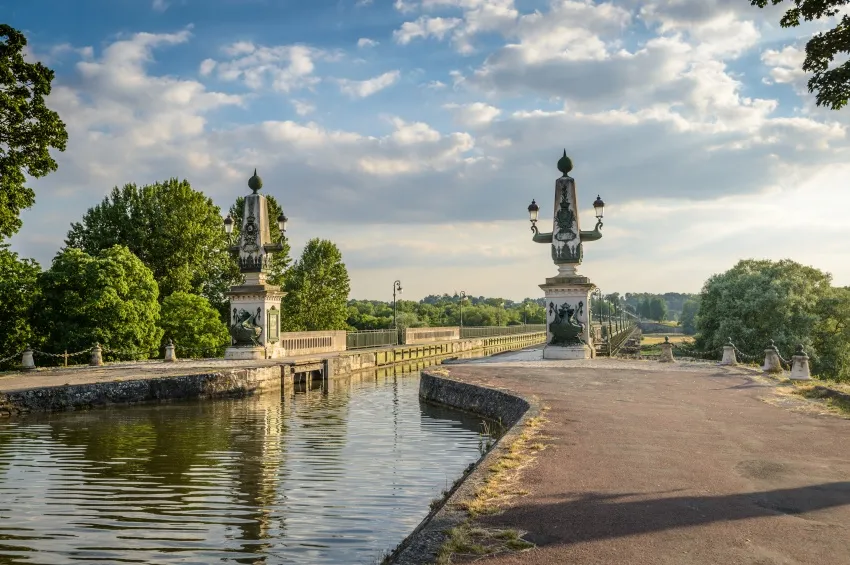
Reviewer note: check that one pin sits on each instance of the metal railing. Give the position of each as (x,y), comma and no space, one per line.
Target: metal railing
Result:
(495,331)
(370,338)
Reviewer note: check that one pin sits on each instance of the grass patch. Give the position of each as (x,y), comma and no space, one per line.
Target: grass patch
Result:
(468,541)
(656,339)
(835,396)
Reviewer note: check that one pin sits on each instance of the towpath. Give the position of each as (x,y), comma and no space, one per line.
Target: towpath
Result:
(653,464)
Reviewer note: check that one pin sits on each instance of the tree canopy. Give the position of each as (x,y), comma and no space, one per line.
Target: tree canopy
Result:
(193,324)
(28,128)
(280,260)
(317,289)
(18,290)
(832,85)
(758,301)
(175,230)
(111,299)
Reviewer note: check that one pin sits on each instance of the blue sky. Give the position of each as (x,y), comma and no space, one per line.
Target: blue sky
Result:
(415,132)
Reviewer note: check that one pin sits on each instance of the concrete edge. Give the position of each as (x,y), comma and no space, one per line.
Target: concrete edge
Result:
(423,543)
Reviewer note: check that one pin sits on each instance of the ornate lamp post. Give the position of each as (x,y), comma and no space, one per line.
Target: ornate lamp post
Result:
(462,298)
(255,305)
(567,293)
(396,287)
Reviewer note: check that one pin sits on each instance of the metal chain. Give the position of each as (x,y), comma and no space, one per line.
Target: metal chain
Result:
(743,355)
(10,357)
(61,355)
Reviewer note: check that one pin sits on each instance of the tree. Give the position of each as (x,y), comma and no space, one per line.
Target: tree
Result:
(111,299)
(831,335)
(193,324)
(657,309)
(281,259)
(317,289)
(688,320)
(757,301)
(831,84)
(28,128)
(18,290)
(175,230)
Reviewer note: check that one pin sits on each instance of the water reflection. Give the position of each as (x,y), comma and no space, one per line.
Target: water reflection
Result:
(317,475)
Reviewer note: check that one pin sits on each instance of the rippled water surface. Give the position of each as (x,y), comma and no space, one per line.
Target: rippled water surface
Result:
(320,476)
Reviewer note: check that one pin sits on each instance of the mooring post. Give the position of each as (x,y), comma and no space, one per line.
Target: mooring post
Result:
(666,351)
(800,365)
(96,355)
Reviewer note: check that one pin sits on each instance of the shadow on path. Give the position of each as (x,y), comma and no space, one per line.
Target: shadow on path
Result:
(594,516)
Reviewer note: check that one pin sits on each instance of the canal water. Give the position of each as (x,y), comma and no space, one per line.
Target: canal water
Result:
(338,474)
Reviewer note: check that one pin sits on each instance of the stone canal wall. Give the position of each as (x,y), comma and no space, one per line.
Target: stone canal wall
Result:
(219,384)
(511,410)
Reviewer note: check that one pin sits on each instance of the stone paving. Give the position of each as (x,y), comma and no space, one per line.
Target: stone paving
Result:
(648,463)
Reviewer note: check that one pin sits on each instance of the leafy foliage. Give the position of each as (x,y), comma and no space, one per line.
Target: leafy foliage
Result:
(317,289)
(831,84)
(688,319)
(111,299)
(175,230)
(18,290)
(757,301)
(832,334)
(193,324)
(280,260)
(28,128)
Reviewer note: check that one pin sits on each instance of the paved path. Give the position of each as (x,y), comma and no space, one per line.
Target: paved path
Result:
(650,464)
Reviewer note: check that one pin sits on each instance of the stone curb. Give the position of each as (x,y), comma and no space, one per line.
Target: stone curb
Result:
(422,545)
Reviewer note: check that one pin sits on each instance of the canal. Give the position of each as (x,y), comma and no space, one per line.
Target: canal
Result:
(338,474)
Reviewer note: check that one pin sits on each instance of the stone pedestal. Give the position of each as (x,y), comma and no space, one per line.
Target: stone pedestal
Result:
(568,295)
(800,366)
(666,352)
(772,362)
(729,355)
(255,305)
(96,356)
(27,362)
(170,355)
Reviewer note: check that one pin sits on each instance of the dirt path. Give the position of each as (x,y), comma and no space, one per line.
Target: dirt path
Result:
(673,466)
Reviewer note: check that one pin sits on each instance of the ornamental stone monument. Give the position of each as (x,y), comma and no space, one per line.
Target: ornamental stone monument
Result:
(254,305)
(567,293)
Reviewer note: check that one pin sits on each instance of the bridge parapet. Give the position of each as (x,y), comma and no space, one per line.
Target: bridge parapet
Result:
(413,336)
(308,343)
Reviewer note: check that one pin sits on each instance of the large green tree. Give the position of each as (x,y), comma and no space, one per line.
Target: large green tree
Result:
(111,299)
(688,319)
(280,260)
(759,300)
(832,85)
(193,325)
(174,229)
(28,128)
(18,290)
(317,289)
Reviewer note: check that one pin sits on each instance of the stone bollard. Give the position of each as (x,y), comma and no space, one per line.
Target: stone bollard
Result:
(772,361)
(170,356)
(729,354)
(96,355)
(666,351)
(27,362)
(800,365)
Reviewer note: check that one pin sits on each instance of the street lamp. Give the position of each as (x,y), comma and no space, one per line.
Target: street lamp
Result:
(533,210)
(462,298)
(281,223)
(228,226)
(396,287)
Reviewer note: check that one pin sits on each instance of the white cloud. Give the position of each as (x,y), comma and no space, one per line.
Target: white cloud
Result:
(160,5)
(285,68)
(302,108)
(473,115)
(785,65)
(425,27)
(362,3)
(368,87)
(364,42)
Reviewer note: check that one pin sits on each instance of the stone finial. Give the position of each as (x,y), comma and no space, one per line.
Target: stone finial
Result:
(565,164)
(170,355)
(666,351)
(255,183)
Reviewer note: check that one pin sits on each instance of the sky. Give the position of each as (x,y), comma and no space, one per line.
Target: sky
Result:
(414,133)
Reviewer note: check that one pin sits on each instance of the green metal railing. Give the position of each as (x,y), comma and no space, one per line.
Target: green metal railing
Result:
(494,331)
(370,338)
